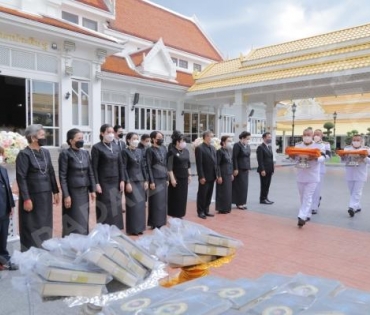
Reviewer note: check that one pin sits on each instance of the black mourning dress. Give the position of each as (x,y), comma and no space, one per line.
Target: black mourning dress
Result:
(36,181)
(224,190)
(76,180)
(108,171)
(178,161)
(156,158)
(241,162)
(134,167)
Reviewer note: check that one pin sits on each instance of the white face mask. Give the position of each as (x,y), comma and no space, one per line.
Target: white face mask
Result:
(182,145)
(316,138)
(1,159)
(229,145)
(148,145)
(307,139)
(134,143)
(213,141)
(109,137)
(356,144)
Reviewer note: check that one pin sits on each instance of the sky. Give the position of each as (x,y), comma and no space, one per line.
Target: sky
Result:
(237,26)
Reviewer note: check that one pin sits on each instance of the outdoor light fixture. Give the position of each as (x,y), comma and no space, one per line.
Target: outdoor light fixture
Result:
(182,113)
(294,108)
(67,95)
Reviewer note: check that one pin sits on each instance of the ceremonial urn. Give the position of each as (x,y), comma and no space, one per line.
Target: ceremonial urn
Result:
(303,162)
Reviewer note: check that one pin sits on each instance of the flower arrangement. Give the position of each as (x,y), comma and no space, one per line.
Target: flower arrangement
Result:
(12,142)
(216,142)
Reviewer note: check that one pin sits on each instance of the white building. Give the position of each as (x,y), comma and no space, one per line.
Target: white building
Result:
(82,63)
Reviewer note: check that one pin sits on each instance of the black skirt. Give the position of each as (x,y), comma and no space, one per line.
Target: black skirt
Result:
(135,209)
(240,188)
(224,194)
(36,226)
(157,204)
(177,198)
(76,218)
(109,203)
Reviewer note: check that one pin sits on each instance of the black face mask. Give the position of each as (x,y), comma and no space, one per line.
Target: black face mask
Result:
(41,142)
(159,141)
(120,135)
(79,144)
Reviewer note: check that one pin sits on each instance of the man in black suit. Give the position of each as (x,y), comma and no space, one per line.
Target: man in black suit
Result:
(6,206)
(206,160)
(118,137)
(265,159)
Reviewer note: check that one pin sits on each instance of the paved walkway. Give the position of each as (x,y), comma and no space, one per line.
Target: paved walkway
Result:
(332,245)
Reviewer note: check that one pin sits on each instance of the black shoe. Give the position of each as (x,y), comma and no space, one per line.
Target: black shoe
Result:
(314,211)
(308,219)
(301,222)
(351,212)
(358,210)
(209,215)
(266,202)
(202,216)
(271,202)
(242,207)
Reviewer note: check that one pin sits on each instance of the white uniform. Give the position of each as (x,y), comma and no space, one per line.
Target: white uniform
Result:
(356,177)
(307,180)
(317,194)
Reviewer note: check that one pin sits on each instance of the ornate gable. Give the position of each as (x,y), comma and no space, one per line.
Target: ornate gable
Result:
(157,63)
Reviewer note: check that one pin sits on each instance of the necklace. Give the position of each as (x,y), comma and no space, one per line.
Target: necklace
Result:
(158,153)
(77,158)
(136,157)
(43,172)
(108,147)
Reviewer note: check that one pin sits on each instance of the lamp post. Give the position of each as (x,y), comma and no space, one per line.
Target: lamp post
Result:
(294,108)
(335,121)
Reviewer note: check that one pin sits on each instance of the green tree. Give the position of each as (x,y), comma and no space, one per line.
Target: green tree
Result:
(328,126)
(350,134)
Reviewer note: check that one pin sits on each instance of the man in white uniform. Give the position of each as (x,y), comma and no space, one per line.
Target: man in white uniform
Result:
(356,176)
(317,137)
(308,177)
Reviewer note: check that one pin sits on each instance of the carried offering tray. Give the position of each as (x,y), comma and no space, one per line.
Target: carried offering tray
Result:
(310,152)
(353,157)
(303,155)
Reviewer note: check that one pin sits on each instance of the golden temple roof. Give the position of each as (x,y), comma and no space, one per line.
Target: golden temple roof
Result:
(313,69)
(322,54)
(335,37)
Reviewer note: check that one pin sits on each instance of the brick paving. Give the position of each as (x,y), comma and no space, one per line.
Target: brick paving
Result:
(273,243)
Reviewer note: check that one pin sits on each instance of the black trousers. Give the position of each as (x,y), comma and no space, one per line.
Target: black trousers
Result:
(265,186)
(4,254)
(204,196)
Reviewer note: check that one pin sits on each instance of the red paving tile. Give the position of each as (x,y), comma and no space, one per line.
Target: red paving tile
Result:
(274,244)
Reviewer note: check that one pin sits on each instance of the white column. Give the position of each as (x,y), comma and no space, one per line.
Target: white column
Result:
(241,119)
(130,123)
(65,106)
(95,103)
(180,115)
(271,113)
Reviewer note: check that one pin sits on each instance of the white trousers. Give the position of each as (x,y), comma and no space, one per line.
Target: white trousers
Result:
(355,190)
(317,194)
(306,191)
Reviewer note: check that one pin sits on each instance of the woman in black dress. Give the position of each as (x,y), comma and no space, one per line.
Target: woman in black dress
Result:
(136,185)
(109,177)
(37,185)
(224,176)
(242,165)
(178,164)
(156,157)
(77,181)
